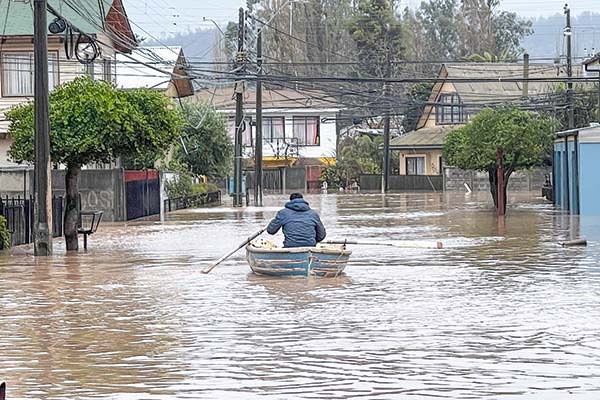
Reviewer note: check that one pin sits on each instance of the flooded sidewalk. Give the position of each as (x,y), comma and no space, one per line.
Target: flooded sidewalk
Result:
(502,312)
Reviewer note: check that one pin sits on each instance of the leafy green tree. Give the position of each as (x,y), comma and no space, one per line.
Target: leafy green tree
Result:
(585,99)
(157,127)
(207,148)
(438,24)
(452,29)
(524,137)
(378,35)
(357,156)
(91,121)
(417,96)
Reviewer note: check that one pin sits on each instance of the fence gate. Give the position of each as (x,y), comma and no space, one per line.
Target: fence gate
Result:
(142,191)
(313,177)
(20,219)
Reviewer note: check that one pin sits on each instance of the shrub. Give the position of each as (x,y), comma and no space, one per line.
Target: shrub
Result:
(4,234)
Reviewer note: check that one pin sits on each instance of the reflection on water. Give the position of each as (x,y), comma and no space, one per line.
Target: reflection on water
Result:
(502,312)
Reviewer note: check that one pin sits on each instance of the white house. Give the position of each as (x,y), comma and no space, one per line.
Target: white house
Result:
(299,128)
(105,21)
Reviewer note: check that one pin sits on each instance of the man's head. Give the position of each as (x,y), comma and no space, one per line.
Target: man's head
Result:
(294,196)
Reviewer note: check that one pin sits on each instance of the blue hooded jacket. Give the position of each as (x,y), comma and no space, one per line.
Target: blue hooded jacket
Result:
(301,225)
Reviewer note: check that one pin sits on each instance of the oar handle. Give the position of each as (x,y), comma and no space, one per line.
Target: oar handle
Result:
(226,256)
(404,244)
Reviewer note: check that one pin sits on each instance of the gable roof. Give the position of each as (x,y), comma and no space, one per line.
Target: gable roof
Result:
(223,98)
(477,94)
(90,16)
(154,67)
(430,138)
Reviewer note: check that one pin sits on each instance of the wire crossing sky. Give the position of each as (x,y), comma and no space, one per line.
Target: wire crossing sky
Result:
(168,17)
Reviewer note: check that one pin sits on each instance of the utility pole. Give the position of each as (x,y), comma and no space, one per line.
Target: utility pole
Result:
(386,123)
(525,75)
(42,184)
(239,112)
(258,181)
(570,105)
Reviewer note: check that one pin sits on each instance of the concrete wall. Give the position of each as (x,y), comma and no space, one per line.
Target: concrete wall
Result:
(530,180)
(16,182)
(100,190)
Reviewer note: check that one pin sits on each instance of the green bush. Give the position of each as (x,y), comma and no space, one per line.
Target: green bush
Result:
(4,234)
(202,188)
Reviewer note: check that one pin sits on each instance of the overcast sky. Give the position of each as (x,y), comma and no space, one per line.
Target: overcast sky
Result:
(164,17)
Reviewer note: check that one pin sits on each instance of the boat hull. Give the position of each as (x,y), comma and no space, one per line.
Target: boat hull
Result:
(323,261)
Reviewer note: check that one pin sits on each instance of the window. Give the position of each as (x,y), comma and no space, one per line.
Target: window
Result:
(415,165)
(273,129)
(18,76)
(306,130)
(107,70)
(450,109)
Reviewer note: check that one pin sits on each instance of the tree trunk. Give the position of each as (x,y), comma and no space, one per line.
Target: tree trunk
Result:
(493,177)
(71,211)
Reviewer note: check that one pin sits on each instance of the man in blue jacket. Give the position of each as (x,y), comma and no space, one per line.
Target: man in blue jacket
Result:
(302,226)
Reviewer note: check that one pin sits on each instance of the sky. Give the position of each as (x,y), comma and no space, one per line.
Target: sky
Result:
(164,17)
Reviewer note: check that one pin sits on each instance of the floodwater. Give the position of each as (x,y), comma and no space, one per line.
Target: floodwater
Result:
(503,312)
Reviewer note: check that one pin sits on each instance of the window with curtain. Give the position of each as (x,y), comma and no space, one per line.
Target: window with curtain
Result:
(306,130)
(415,165)
(273,129)
(18,73)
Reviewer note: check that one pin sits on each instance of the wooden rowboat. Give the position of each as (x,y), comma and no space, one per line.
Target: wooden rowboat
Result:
(324,260)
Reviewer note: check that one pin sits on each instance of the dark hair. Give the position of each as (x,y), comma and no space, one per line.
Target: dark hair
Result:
(295,196)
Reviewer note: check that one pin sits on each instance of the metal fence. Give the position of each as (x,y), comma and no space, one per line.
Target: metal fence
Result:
(19,214)
(179,203)
(407,183)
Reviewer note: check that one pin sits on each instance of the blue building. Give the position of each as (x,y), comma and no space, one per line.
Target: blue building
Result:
(576,171)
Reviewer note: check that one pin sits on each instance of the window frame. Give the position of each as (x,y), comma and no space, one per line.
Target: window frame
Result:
(406,160)
(3,85)
(305,118)
(454,107)
(270,138)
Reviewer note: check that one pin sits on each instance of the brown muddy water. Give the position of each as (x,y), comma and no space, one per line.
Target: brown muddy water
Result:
(503,312)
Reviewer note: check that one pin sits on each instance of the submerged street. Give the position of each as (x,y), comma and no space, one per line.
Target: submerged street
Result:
(502,312)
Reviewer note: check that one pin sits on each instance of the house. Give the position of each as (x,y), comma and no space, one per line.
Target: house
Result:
(575,170)
(104,21)
(452,104)
(300,128)
(155,67)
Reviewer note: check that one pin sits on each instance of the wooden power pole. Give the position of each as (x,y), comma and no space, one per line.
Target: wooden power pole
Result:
(42,177)
(239,113)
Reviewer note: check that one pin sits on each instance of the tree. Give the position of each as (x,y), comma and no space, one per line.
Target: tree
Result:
(447,29)
(585,110)
(524,137)
(91,121)
(361,155)
(207,148)
(378,35)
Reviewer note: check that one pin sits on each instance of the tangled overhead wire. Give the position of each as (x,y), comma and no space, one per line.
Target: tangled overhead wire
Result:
(85,47)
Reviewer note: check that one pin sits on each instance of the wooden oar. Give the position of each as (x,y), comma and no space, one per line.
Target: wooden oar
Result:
(404,244)
(226,256)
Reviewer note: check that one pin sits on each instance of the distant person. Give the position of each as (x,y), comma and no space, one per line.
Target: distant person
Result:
(324,187)
(301,225)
